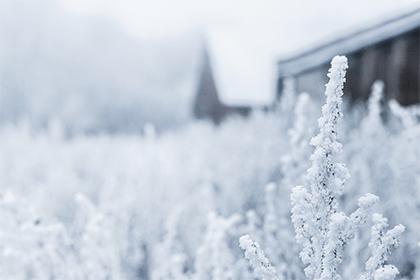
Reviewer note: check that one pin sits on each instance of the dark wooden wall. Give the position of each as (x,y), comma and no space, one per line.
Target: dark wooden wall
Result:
(395,61)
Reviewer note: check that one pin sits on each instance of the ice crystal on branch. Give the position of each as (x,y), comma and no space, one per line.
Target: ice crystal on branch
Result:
(257,258)
(382,241)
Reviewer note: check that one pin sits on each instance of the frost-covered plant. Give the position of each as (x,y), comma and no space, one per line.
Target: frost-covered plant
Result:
(259,262)
(373,121)
(32,247)
(134,183)
(367,153)
(277,234)
(214,258)
(341,230)
(407,118)
(295,163)
(381,243)
(368,150)
(403,197)
(271,222)
(274,226)
(321,230)
(169,259)
(95,241)
(288,97)
(253,225)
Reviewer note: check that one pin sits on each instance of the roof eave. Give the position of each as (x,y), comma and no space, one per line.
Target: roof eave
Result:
(320,55)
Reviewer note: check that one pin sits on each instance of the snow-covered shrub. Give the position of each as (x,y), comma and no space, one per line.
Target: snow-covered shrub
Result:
(169,258)
(95,241)
(294,163)
(367,152)
(31,247)
(287,102)
(382,241)
(214,256)
(321,229)
(144,200)
(257,259)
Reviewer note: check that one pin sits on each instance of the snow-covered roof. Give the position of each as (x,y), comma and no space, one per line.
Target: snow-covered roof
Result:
(243,73)
(349,42)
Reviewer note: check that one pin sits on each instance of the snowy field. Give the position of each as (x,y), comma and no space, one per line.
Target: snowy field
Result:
(91,189)
(205,202)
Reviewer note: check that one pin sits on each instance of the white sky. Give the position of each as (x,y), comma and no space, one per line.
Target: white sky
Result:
(247,36)
(165,17)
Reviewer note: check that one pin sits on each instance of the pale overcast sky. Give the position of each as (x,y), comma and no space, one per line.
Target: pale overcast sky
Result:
(166,17)
(246,37)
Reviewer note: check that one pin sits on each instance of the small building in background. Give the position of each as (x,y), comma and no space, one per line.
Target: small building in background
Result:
(388,50)
(245,69)
(235,76)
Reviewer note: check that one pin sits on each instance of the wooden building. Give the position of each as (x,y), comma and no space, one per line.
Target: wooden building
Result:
(387,51)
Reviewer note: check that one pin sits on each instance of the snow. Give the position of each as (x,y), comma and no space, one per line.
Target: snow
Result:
(368,201)
(321,231)
(243,74)
(174,204)
(257,259)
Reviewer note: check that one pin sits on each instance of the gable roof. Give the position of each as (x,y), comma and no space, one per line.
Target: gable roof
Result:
(243,71)
(350,42)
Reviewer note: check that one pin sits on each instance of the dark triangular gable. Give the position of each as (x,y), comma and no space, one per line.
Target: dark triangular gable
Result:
(207,103)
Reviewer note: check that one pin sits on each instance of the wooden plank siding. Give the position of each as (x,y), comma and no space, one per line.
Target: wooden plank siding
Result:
(395,61)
